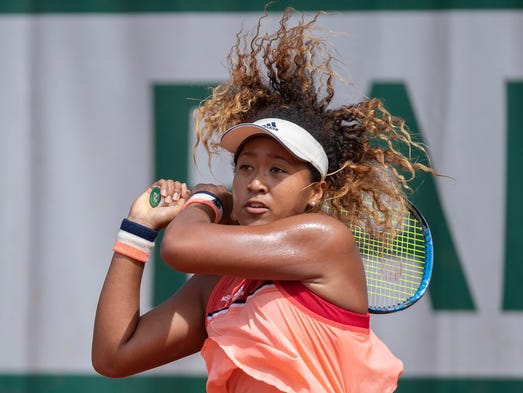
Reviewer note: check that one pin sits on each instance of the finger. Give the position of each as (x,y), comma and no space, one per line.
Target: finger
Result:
(163,189)
(186,193)
(177,191)
(168,187)
(174,190)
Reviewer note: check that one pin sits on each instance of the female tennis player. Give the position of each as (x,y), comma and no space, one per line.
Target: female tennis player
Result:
(277,301)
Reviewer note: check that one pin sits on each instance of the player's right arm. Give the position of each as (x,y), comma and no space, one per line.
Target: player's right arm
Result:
(125,343)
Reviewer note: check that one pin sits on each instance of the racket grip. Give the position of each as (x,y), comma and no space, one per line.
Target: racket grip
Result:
(155,198)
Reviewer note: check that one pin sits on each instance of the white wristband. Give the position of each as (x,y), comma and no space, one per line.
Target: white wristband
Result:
(208,199)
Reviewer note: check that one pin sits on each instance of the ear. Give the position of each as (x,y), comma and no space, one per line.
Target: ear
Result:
(317,191)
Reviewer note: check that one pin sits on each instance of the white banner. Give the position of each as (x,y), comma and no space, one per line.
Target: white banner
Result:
(76,145)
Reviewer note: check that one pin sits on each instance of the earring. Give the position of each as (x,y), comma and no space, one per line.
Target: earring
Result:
(313,203)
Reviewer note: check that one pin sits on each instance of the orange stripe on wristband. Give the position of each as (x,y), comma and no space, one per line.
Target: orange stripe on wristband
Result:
(131,252)
(217,215)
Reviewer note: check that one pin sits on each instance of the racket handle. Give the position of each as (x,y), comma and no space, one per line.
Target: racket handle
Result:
(155,198)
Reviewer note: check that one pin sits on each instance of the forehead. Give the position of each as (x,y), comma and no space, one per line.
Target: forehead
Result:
(264,145)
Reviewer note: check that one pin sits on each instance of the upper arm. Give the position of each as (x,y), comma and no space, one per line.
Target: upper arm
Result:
(301,247)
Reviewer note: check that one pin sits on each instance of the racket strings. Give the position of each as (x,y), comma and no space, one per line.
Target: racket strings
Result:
(394,269)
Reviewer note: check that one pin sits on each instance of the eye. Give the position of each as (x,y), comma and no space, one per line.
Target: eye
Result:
(244,167)
(277,170)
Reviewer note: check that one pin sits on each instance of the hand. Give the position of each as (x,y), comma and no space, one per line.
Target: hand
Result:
(223,195)
(174,195)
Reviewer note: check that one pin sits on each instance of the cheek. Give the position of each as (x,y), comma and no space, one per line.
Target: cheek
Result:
(235,193)
(303,203)
(235,184)
(294,197)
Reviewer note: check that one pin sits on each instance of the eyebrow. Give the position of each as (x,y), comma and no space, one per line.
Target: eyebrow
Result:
(271,155)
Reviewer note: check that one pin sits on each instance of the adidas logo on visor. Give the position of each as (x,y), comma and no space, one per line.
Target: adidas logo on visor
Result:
(271,126)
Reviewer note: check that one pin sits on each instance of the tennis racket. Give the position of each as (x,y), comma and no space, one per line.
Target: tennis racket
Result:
(398,271)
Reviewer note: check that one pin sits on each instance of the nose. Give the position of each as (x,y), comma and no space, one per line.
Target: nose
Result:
(256,185)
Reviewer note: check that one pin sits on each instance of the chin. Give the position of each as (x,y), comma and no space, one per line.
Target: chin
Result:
(254,221)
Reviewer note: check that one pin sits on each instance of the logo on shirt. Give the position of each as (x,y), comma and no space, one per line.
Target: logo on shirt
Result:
(231,298)
(235,297)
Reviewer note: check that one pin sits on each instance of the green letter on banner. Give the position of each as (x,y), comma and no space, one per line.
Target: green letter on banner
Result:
(173,106)
(512,299)
(448,287)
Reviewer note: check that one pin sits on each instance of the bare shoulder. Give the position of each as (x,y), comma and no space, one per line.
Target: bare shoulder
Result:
(341,279)
(326,229)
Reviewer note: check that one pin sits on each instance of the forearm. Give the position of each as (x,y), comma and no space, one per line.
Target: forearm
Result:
(186,233)
(118,312)
(124,342)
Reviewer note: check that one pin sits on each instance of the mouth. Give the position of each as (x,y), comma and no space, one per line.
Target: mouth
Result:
(256,207)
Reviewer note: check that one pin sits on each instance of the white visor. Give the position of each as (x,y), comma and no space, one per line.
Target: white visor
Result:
(293,137)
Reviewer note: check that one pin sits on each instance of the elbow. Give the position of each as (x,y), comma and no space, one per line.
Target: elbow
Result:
(103,367)
(108,367)
(103,370)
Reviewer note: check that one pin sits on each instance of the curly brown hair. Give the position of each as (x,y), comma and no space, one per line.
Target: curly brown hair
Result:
(289,74)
